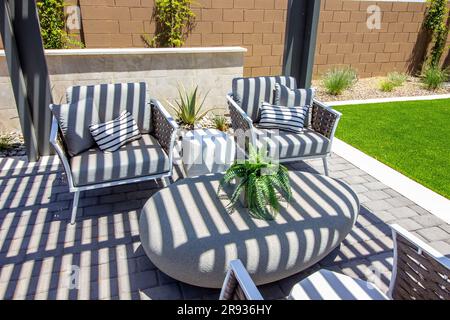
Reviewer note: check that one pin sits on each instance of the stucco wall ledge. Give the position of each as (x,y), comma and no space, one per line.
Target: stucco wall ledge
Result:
(123,51)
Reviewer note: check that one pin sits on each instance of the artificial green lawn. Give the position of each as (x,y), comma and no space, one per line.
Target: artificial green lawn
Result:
(412,137)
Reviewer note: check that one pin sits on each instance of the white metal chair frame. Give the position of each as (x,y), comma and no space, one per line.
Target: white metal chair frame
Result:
(54,133)
(253,137)
(249,288)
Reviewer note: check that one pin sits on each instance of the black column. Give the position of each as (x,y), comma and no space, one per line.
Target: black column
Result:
(28,71)
(300,42)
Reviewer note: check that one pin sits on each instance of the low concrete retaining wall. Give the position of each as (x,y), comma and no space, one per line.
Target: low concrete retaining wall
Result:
(212,69)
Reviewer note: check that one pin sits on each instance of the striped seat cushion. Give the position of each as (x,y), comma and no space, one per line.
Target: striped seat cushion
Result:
(250,92)
(283,118)
(282,144)
(112,135)
(112,99)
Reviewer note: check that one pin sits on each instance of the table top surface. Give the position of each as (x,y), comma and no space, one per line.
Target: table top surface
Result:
(313,197)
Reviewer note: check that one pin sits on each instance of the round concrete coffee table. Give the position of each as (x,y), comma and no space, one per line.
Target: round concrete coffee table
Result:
(188,234)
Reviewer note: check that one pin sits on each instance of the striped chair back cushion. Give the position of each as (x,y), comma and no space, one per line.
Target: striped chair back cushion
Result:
(111,135)
(249,93)
(112,99)
(285,96)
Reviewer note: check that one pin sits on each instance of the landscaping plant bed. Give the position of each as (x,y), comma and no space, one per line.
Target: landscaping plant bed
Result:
(411,137)
(369,88)
(12,144)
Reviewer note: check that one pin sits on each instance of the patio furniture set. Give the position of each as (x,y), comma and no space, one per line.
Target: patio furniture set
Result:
(186,229)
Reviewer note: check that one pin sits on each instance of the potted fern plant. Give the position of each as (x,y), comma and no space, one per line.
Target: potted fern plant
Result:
(260,185)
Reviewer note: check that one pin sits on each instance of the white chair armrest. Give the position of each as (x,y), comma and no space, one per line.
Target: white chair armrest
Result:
(60,151)
(246,283)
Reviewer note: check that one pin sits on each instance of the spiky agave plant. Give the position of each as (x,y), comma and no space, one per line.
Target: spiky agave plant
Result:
(189,107)
(263,182)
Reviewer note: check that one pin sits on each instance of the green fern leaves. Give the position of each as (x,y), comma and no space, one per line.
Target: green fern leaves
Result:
(263,182)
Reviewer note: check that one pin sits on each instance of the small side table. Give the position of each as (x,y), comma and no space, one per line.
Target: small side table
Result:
(207,151)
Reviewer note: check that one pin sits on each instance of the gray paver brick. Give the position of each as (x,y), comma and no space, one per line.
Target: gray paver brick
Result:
(354,180)
(428,221)
(166,292)
(378,205)
(400,202)
(377,195)
(403,212)
(359,188)
(375,186)
(409,224)
(433,234)
(442,247)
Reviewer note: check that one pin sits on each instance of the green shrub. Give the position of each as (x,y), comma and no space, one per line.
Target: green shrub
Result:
(174,21)
(189,109)
(433,77)
(5,142)
(387,85)
(436,22)
(397,79)
(52,20)
(336,81)
(220,123)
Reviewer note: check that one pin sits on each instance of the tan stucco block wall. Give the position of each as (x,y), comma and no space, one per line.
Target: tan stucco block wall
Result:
(258,25)
(345,40)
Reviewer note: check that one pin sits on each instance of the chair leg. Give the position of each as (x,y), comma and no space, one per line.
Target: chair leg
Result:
(325,165)
(166,182)
(76,198)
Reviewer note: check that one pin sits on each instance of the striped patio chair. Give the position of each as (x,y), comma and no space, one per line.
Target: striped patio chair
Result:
(148,158)
(314,142)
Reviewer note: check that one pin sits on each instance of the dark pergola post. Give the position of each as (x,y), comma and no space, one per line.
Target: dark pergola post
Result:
(28,72)
(300,42)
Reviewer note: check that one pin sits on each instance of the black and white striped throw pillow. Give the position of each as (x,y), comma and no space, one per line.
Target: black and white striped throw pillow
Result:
(112,135)
(283,118)
(284,96)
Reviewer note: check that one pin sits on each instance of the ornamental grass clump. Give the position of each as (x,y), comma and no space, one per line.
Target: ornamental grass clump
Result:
(392,81)
(387,86)
(189,107)
(397,78)
(220,123)
(433,77)
(336,81)
(260,182)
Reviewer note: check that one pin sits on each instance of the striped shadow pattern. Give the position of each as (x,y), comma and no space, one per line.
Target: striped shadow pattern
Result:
(283,118)
(282,144)
(329,285)
(112,99)
(112,135)
(248,93)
